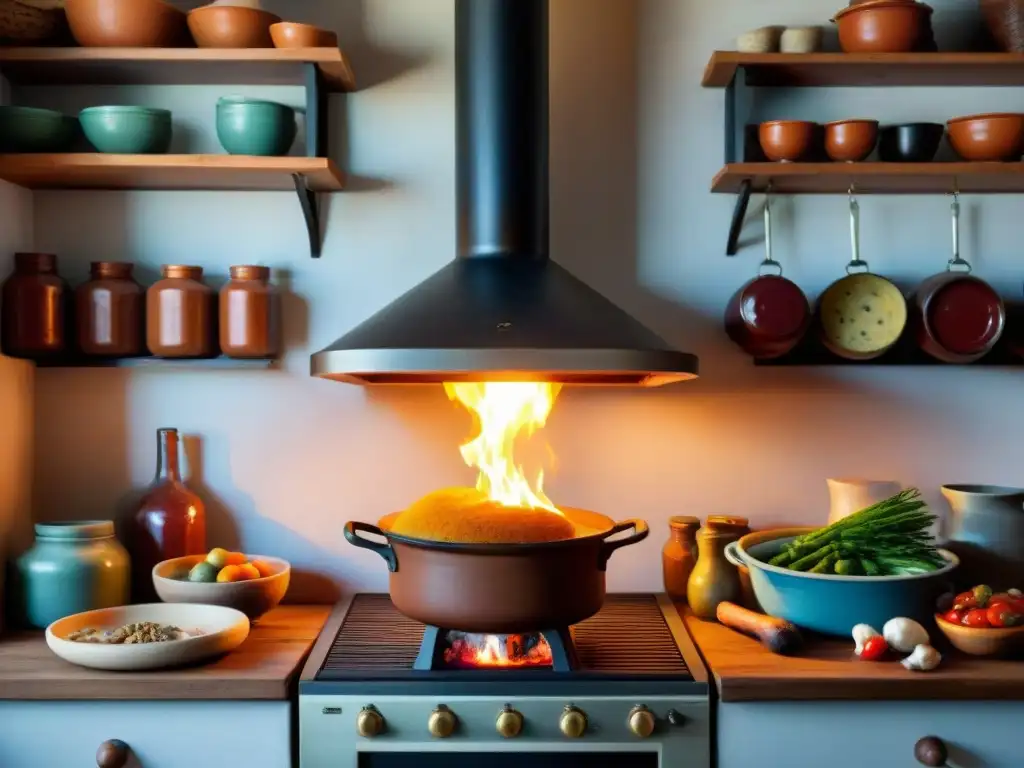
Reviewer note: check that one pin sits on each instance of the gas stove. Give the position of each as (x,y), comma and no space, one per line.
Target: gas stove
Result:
(623,689)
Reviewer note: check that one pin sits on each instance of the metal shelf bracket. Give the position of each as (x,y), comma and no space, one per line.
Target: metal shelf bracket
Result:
(310,206)
(739,213)
(737,112)
(317,124)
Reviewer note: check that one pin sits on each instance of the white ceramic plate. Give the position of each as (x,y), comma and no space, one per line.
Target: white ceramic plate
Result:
(223,630)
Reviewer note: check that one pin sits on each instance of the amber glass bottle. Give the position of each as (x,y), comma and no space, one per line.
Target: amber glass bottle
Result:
(679,555)
(33,320)
(181,314)
(109,311)
(249,314)
(170,521)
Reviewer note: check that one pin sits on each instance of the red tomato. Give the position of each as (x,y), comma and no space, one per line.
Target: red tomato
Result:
(964,600)
(874,648)
(953,616)
(1001,615)
(977,618)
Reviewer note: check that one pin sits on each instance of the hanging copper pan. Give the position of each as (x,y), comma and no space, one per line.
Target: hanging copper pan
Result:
(500,588)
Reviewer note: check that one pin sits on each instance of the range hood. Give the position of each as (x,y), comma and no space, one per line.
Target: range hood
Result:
(502,311)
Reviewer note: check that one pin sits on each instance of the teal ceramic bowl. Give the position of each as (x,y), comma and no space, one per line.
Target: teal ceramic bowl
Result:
(254,127)
(127,130)
(833,604)
(27,129)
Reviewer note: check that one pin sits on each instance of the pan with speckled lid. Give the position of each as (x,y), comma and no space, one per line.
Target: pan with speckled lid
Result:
(957,317)
(861,315)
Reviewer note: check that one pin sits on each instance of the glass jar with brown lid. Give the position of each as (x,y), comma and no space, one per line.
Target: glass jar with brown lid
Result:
(109,311)
(249,314)
(33,319)
(180,314)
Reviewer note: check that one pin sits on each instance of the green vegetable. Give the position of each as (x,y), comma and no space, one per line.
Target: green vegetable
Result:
(889,538)
(203,572)
(982,593)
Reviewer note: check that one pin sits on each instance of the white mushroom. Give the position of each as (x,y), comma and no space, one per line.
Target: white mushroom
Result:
(923,659)
(904,634)
(861,634)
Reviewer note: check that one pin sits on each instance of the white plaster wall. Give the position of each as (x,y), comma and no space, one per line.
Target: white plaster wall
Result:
(635,142)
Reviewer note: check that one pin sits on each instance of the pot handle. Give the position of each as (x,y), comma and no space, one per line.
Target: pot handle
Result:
(732,554)
(640,531)
(385,550)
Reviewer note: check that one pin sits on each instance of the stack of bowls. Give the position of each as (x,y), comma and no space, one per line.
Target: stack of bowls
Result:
(255,127)
(127,130)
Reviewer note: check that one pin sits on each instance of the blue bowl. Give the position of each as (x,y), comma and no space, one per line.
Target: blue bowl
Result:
(833,604)
(27,129)
(255,127)
(127,130)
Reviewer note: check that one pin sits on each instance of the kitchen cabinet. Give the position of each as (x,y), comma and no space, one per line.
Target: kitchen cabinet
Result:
(824,707)
(237,710)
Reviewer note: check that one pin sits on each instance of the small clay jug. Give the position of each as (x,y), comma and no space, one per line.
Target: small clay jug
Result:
(714,579)
(679,555)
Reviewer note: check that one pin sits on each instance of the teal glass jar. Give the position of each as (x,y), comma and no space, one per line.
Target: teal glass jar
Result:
(72,567)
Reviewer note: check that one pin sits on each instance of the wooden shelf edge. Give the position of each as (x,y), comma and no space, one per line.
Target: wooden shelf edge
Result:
(38,65)
(836,68)
(218,363)
(872,178)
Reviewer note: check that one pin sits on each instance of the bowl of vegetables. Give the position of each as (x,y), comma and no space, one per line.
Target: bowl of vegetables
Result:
(866,568)
(983,623)
(252,584)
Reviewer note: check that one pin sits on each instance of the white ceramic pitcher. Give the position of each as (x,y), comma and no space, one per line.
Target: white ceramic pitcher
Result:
(852,494)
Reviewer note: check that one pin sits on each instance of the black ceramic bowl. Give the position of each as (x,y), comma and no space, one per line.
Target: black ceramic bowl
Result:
(910,143)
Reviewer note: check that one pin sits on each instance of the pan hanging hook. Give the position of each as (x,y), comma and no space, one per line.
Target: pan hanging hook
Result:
(769,266)
(856,264)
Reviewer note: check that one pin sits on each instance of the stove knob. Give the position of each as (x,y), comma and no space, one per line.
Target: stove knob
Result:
(509,723)
(442,723)
(641,721)
(573,722)
(369,723)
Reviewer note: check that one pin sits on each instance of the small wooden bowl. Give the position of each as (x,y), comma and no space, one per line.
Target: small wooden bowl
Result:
(785,141)
(289,34)
(982,641)
(987,138)
(882,26)
(230,26)
(850,141)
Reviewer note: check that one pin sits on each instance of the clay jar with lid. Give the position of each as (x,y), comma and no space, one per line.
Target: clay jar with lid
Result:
(249,314)
(109,310)
(714,579)
(180,314)
(33,319)
(679,555)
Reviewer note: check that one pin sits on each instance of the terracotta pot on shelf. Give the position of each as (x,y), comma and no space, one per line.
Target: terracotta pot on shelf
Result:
(1005,21)
(786,141)
(288,34)
(33,317)
(228,26)
(884,26)
(110,311)
(991,137)
(850,141)
(181,314)
(249,314)
(120,24)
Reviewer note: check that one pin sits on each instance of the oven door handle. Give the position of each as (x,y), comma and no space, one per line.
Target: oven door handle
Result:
(384,549)
(640,532)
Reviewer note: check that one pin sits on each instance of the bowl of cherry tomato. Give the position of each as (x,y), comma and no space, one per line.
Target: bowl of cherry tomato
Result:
(981,622)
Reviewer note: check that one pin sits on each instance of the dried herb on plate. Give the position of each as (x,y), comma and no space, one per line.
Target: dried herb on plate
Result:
(131,634)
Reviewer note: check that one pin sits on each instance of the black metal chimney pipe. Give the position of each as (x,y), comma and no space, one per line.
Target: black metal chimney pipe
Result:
(501,64)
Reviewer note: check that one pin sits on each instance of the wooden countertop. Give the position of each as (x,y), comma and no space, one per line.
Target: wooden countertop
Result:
(262,668)
(743,670)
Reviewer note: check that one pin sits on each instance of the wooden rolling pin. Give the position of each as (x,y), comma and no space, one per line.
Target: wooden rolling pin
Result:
(777,635)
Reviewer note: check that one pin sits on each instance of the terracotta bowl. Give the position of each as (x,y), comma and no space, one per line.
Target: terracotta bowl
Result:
(989,137)
(882,26)
(253,597)
(288,34)
(229,26)
(982,641)
(115,23)
(786,140)
(850,141)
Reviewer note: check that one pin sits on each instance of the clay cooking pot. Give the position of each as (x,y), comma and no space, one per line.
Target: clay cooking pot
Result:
(500,588)
(850,141)
(882,26)
(786,140)
(989,137)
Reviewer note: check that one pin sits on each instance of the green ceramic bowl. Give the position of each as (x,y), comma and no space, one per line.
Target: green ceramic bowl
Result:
(127,130)
(27,129)
(254,127)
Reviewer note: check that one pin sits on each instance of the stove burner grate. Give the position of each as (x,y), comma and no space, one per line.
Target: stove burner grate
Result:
(628,636)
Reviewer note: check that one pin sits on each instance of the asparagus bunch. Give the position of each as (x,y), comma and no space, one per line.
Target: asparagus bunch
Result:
(886,539)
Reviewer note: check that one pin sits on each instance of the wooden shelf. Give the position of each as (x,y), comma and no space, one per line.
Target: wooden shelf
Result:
(218,363)
(174,66)
(865,69)
(182,172)
(905,353)
(871,178)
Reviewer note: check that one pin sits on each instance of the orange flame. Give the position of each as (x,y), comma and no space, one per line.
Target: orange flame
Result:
(504,410)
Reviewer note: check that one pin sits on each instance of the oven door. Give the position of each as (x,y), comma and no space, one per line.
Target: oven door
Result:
(329,736)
